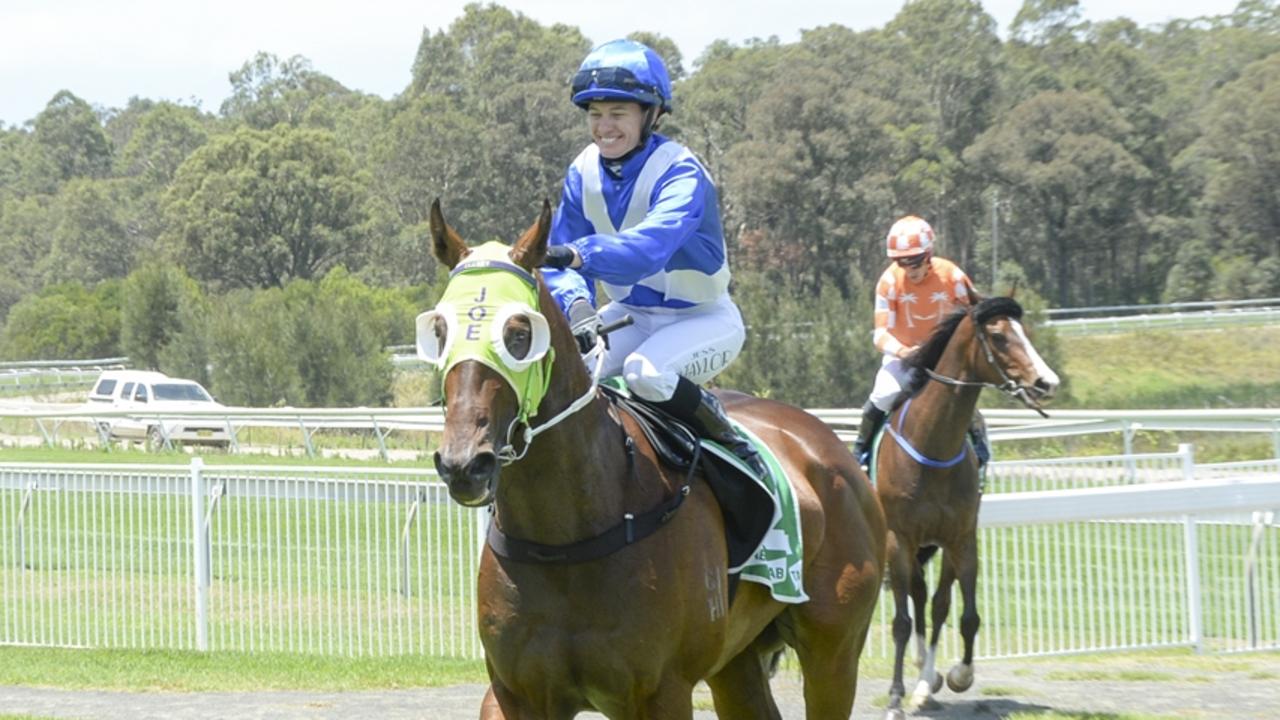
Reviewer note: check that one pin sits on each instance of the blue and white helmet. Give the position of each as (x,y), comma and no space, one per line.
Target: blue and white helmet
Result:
(623,70)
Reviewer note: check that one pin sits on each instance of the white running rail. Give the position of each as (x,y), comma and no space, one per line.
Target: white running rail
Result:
(1077,555)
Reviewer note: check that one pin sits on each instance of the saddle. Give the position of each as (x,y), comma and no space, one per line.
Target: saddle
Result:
(747,507)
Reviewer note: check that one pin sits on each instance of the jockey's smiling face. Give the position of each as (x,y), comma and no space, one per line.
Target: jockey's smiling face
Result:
(615,127)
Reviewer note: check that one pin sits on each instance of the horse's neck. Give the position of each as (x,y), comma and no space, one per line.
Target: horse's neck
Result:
(941,413)
(571,484)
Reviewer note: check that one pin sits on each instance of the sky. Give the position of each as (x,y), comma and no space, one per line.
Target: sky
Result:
(106,51)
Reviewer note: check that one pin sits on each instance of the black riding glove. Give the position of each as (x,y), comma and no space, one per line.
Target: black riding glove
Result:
(558,257)
(584,323)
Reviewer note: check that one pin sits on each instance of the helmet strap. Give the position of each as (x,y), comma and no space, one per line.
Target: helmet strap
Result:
(652,118)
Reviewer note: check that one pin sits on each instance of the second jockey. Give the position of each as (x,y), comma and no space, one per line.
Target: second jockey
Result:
(912,296)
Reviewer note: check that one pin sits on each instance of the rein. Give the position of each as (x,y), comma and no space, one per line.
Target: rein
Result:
(507,453)
(1009,387)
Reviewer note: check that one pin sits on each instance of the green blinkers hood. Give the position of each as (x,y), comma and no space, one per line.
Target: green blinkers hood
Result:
(484,291)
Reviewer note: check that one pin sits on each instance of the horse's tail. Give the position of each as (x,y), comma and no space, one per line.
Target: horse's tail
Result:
(926,552)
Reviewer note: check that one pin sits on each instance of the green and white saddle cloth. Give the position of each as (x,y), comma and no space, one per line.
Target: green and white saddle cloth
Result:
(777,562)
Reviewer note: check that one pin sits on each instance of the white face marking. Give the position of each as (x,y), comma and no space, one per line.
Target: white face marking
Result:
(1046,373)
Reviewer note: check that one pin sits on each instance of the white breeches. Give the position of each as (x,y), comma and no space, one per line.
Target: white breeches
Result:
(892,377)
(662,345)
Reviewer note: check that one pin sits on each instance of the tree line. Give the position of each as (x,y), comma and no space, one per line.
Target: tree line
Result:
(274,247)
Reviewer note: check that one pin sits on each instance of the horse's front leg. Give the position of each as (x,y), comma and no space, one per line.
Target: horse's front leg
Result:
(919,596)
(672,701)
(960,677)
(501,704)
(489,707)
(741,688)
(901,567)
(930,681)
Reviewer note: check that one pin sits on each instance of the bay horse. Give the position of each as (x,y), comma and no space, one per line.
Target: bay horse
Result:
(928,481)
(584,621)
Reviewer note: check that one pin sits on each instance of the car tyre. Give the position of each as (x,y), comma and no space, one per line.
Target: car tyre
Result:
(155,439)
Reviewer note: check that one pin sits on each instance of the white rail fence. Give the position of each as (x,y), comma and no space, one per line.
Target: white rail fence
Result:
(1182,315)
(42,376)
(1077,555)
(53,422)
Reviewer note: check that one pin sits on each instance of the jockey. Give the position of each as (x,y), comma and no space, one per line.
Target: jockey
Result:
(912,296)
(639,213)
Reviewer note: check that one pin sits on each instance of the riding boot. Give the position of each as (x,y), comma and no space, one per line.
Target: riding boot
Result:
(872,419)
(704,413)
(978,436)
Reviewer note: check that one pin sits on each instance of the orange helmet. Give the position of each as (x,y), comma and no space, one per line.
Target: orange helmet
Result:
(909,236)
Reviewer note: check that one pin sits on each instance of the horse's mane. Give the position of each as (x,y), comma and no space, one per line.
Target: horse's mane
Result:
(928,355)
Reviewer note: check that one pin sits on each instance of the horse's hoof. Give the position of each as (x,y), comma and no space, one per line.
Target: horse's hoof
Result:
(936,685)
(960,678)
(895,714)
(920,695)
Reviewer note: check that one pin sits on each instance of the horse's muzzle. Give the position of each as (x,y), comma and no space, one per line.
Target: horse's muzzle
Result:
(471,479)
(1043,389)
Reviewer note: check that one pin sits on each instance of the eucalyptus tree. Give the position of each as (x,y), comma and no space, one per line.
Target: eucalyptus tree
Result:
(90,238)
(1196,56)
(162,316)
(259,208)
(804,350)
(712,104)
(70,135)
(486,123)
(808,176)
(25,240)
(161,140)
(1061,159)
(61,321)
(1237,159)
(327,343)
(267,91)
(948,63)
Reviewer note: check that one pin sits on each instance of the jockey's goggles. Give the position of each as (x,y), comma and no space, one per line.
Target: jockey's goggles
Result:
(912,262)
(613,78)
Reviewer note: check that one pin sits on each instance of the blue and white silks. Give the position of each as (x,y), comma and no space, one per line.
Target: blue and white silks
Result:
(652,237)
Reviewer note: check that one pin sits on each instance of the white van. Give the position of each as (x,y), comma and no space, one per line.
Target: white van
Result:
(154,392)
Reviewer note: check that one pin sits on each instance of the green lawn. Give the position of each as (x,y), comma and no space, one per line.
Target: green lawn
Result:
(226,671)
(1232,367)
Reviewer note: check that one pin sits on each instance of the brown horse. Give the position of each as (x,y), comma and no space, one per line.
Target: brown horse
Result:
(927,475)
(628,629)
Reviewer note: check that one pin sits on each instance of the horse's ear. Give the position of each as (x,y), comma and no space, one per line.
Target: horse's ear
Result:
(1014,290)
(446,245)
(531,248)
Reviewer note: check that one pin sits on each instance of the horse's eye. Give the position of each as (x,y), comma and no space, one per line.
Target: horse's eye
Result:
(517,335)
(1000,339)
(441,330)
